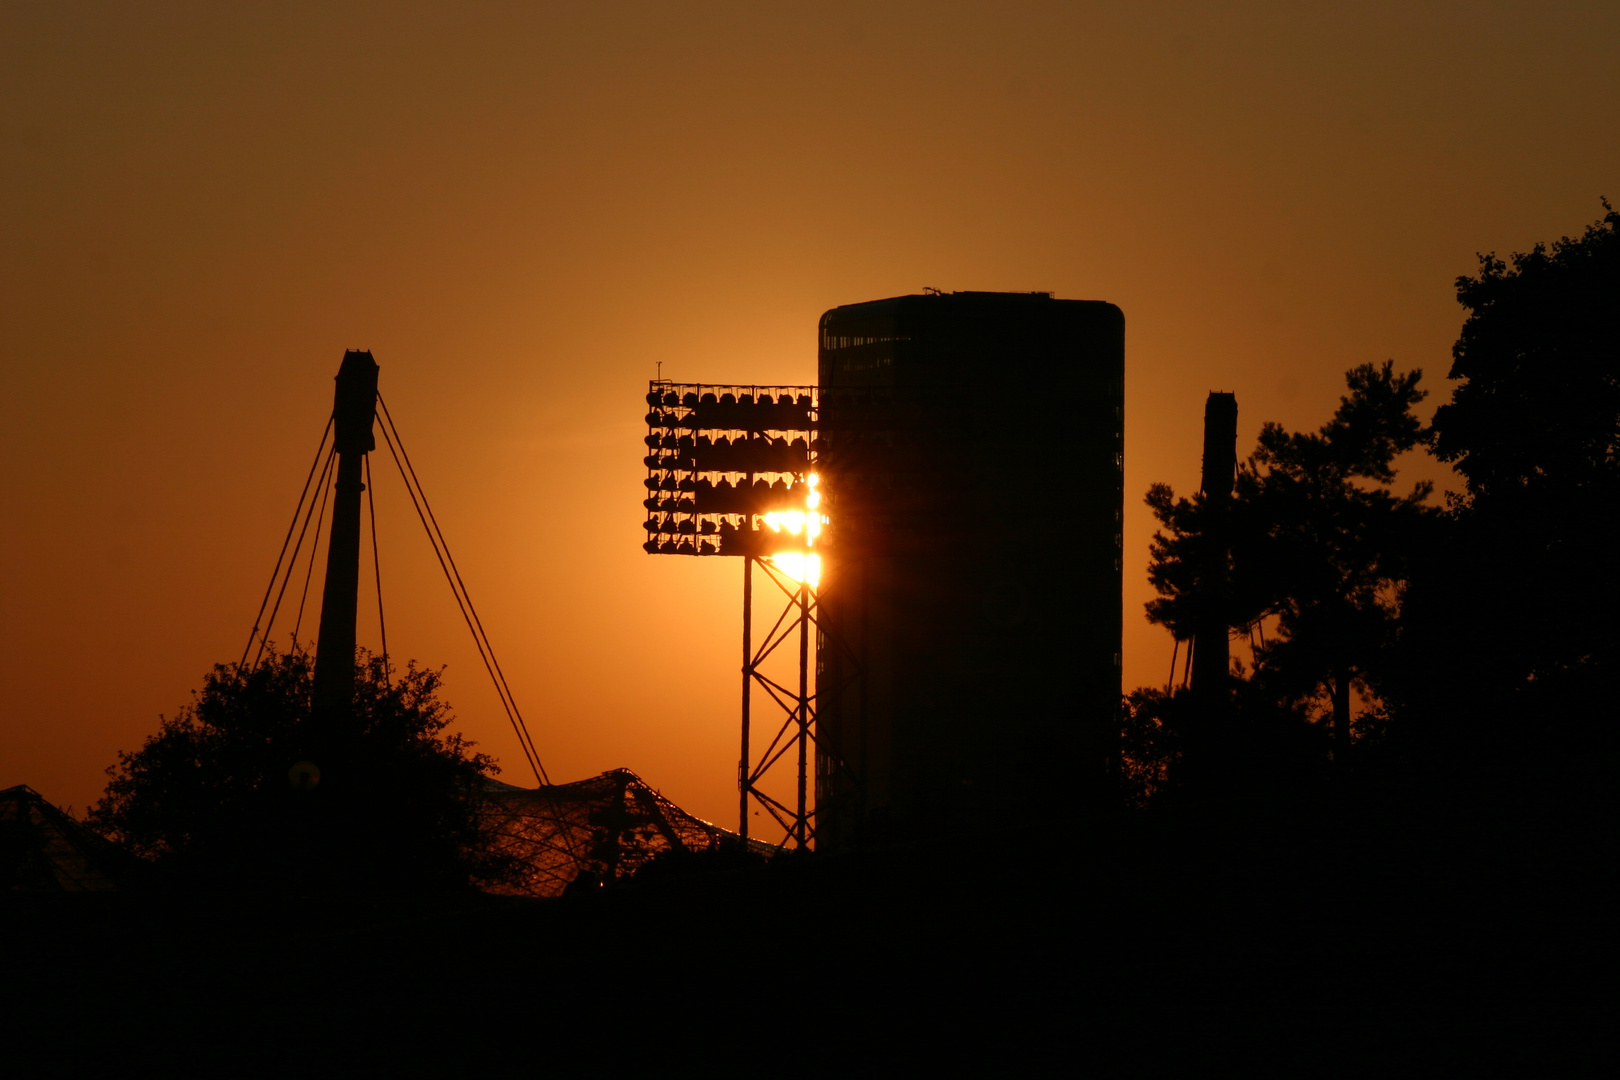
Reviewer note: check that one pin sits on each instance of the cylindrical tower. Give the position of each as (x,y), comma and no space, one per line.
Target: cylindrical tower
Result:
(971,452)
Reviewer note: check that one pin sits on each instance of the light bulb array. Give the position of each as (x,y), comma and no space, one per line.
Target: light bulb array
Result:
(730,470)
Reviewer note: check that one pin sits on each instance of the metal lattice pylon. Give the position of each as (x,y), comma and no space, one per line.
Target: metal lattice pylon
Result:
(794,733)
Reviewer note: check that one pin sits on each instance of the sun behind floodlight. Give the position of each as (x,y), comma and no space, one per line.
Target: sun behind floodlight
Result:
(733,455)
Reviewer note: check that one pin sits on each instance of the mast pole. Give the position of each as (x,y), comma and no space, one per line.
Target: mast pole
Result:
(354,409)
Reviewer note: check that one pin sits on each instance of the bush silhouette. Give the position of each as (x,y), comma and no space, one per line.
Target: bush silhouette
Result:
(244,786)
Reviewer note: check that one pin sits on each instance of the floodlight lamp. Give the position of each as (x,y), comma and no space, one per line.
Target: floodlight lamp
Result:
(721,483)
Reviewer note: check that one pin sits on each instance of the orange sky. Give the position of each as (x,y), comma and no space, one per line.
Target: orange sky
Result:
(520,208)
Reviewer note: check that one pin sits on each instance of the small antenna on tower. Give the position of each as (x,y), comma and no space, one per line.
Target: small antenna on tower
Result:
(660,371)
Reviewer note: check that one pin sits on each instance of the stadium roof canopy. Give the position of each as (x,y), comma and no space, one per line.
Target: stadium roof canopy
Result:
(44,850)
(600,830)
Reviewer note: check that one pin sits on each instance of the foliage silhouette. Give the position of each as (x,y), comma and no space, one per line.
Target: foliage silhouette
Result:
(1483,635)
(215,795)
(1515,601)
(1537,411)
(730,857)
(1317,540)
(1254,750)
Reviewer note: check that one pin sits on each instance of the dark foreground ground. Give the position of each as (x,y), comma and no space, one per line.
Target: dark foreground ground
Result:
(1145,945)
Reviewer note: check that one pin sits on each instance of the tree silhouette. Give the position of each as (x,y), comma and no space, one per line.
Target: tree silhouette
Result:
(1537,413)
(1326,545)
(1317,540)
(1515,604)
(225,789)
(1534,428)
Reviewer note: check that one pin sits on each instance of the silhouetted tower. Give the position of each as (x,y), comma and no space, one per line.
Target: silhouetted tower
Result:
(1212,654)
(353,410)
(971,451)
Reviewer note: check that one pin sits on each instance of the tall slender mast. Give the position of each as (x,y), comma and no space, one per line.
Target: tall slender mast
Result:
(1212,654)
(353,410)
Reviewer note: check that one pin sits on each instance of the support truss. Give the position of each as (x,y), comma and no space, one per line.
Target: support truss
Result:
(791,719)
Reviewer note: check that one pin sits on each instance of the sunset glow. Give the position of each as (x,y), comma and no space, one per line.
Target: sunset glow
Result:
(526,213)
(791,520)
(799,567)
(795,522)
(412,440)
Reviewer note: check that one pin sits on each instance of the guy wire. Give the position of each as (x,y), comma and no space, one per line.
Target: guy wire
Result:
(376,565)
(264,639)
(464,603)
(290,526)
(498,673)
(314,550)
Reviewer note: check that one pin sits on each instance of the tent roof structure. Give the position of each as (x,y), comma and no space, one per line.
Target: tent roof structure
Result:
(600,830)
(44,850)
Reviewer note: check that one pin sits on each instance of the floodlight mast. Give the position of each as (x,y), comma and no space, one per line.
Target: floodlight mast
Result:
(730,472)
(354,409)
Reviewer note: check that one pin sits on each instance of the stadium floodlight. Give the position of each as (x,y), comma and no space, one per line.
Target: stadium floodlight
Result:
(731,471)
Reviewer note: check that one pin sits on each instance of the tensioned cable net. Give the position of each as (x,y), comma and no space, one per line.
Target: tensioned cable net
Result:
(45,850)
(596,831)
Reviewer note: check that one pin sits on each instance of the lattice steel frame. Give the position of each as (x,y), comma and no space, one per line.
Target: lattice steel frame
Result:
(796,732)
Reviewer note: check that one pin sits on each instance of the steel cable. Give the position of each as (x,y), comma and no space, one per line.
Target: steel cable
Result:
(376,565)
(314,550)
(497,674)
(264,639)
(268,589)
(441,550)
